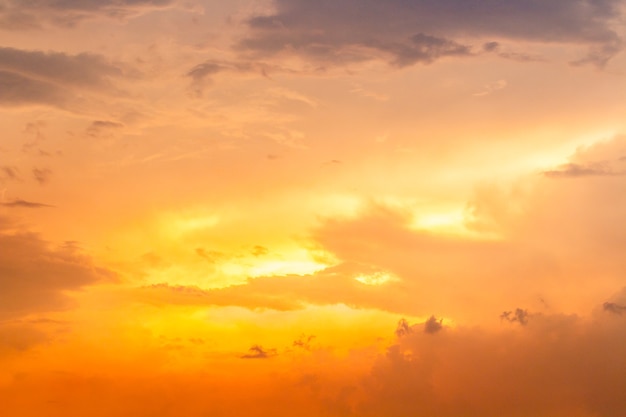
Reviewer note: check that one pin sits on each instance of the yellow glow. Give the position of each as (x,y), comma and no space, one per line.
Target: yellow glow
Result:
(178,224)
(296,262)
(376,278)
(452,221)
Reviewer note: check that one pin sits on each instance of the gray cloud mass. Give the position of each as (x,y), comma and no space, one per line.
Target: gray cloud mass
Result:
(421,31)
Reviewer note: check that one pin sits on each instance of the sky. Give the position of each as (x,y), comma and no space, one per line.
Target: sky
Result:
(340,208)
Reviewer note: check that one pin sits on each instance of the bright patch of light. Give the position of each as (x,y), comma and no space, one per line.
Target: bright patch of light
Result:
(178,224)
(299,262)
(443,221)
(376,278)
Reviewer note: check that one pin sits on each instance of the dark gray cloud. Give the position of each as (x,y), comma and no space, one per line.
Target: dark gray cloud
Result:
(24,204)
(420,31)
(52,78)
(614,308)
(30,14)
(519,315)
(35,277)
(258,352)
(403,328)
(433,325)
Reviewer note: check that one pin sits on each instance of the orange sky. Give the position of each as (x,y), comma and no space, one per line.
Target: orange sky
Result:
(312,208)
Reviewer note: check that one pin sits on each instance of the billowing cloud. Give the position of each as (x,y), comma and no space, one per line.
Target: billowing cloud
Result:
(422,31)
(556,365)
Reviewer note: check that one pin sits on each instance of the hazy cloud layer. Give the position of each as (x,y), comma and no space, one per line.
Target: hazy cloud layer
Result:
(421,31)
(34,276)
(513,270)
(30,14)
(52,78)
(556,365)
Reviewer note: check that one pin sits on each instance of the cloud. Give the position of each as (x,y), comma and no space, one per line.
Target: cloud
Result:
(35,277)
(9,173)
(432,325)
(203,74)
(404,33)
(578,170)
(304,341)
(520,316)
(42,176)
(51,78)
(257,352)
(556,365)
(25,15)
(24,204)
(103,128)
(403,328)
(614,308)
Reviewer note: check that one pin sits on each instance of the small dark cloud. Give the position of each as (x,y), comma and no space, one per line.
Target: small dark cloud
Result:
(614,308)
(573,170)
(258,352)
(9,173)
(103,128)
(24,204)
(491,46)
(42,176)
(433,325)
(304,342)
(403,328)
(495,47)
(519,315)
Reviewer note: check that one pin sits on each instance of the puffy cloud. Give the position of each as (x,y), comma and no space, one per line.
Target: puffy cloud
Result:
(557,365)
(432,325)
(421,31)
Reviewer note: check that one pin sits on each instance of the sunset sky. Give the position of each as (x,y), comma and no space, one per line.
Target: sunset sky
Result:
(338,208)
